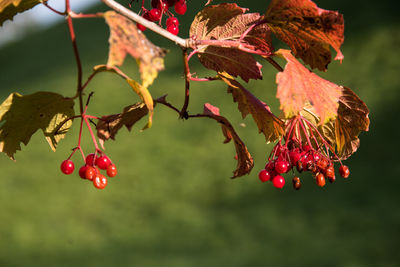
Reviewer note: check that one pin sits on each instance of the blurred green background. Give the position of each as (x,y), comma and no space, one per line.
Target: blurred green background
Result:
(173,203)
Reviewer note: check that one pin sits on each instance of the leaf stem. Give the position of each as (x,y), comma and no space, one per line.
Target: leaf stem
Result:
(274,63)
(52,9)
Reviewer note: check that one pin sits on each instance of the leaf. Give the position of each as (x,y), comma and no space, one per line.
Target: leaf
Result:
(227,22)
(270,125)
(142,91)
(10,8)
(109,125)
(245,161)
(21,116)
(124,39)
(297,86)
(307,29)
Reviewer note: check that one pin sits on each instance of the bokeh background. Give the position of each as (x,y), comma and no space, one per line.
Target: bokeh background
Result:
(172,203)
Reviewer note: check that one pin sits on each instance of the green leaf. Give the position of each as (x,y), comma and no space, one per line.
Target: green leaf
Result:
(10,8)
(21,116)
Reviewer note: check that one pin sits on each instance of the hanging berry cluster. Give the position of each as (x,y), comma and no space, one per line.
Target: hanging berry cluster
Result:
(303,148)
(160,8)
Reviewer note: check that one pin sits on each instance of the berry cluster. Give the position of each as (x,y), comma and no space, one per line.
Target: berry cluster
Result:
(161,7)
(302,156)
(90,172)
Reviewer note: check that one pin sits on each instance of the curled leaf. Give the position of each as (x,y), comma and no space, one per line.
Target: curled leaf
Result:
(298,86)
(124,39)
(307,29)
(270,125)
(245,161)
(21,116)
(10,8)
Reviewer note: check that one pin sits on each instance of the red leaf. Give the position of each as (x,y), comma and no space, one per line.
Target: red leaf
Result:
(245,161)
(224,25)
(270,125)
(298,86)
(307,29)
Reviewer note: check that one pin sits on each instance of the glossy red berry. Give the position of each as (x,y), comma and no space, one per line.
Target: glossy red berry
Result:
(278,181)
(294,157)
(82,171)
(154,14)
(180,7)
(111,170)
(320,179)
(296,183)
(90,159)
(90,173)
(100,181)
(344,171)
(264,176)
(307,148)
(281,166)
(330,172)
(103,162)
(322,163)
(172,21)
(67,166)
(173,29)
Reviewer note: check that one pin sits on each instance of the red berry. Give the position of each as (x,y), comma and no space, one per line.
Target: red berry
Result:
(111,170)
(307,148)
(82,171)
(67,166)
(154,14)
(173,29)
(172,21)
(322,163)
(344,171)
(320,179)
(141,27)
(296,183)
(278,181)
(103,162)
(294,157)
(91,159)
(317,157)
(90,173)
(270,166)
(330,172)
(180,7)
(100,181)
(264,176)
(281,166)
(163,6)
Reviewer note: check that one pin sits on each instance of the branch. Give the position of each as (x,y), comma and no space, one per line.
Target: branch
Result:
(183,113)
(186,43)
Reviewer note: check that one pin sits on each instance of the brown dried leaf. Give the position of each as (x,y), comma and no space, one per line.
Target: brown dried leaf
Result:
(227,22)
(10,8)
(124,39)
(245,161)
(109,125)
(307,29)
(298,86)
(270,125)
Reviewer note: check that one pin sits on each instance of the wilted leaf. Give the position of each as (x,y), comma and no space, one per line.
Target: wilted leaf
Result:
(245,161)
(307,29)
(21,116)
(270,125)
(228,22)
(124,39)
(297,86)
(109,125)
(10,8)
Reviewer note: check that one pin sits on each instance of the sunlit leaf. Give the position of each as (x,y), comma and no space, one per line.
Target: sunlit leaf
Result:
(125,39)
(227,22)
(10,8)
(270,125)
(298,86)
(308,30)
(21,116)
(244,161)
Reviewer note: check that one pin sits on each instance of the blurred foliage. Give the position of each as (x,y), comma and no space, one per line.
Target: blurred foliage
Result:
(172,203)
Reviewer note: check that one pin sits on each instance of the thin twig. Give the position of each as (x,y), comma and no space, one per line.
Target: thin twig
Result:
(183,112)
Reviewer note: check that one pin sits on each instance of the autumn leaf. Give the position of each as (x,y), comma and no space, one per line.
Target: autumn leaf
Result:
(227,22)
(10,8)
(270,125)
(244,161)
(307,29)
(21,116)
(125,39)
(298,86)
(108,126)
